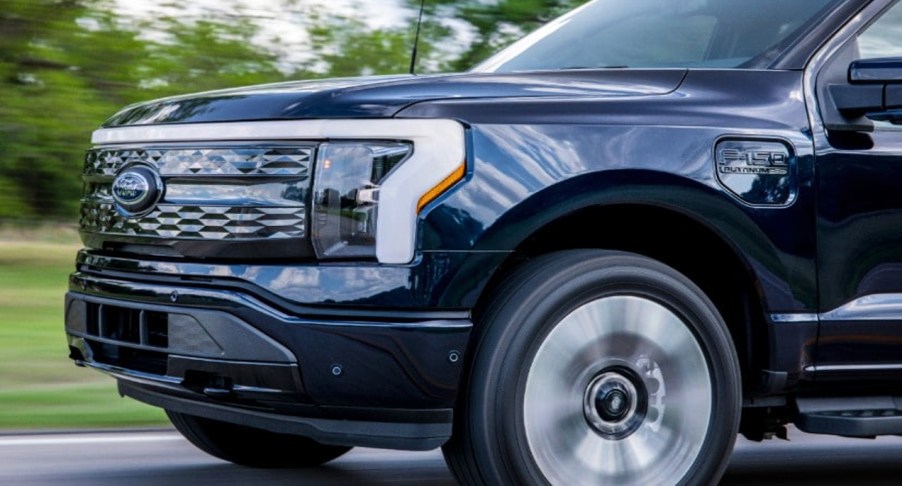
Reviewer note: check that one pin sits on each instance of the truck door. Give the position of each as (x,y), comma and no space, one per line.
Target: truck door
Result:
(859,192)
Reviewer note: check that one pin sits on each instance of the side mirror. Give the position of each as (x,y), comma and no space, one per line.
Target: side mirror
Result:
(876,71)
(874,92)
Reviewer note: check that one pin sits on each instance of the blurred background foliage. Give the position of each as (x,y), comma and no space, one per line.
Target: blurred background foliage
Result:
(67,65)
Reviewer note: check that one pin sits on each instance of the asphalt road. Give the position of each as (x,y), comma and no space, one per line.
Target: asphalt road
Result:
(163,457)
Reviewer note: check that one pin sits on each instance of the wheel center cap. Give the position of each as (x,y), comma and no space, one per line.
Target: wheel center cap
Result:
(615,404)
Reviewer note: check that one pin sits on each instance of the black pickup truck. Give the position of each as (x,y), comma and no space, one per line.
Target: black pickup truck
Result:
(595,258)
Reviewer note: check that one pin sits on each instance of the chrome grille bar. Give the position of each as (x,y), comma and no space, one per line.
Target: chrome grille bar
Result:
(214,192)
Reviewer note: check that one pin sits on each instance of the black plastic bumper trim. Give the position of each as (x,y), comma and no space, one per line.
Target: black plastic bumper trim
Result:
(373,364)
(278,374)
(386,435)
(234,339)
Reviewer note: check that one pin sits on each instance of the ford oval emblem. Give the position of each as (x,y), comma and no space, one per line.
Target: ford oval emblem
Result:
(136,190)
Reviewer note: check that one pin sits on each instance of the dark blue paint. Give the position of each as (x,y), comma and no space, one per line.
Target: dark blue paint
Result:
(601,152)
(384,96)
(860,245)
(325,289)
(565,152)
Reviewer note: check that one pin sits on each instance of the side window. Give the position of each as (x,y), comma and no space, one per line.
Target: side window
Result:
(884,37)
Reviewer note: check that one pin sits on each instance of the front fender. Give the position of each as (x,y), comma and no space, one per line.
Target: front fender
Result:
(524,178)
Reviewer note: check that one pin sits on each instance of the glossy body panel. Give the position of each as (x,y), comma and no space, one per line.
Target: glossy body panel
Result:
(860,251)
(379,97)
(565,153)
(436,281)
(604,152)
(859,197)
(858,221)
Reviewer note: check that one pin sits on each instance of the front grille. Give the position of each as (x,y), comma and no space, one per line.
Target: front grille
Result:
(213,192)
(197,222)
(281,161)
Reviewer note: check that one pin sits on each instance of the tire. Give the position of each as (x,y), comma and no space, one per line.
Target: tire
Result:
(253,447)
(597,367)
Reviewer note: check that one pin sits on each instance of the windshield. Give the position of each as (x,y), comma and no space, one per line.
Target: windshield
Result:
(661,33)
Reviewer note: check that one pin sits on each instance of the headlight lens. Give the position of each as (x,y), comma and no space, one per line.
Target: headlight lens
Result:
(346,196)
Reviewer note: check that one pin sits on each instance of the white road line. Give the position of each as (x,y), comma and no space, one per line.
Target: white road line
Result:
(76,440)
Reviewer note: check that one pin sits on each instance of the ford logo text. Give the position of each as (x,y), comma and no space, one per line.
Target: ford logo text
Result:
(136,190)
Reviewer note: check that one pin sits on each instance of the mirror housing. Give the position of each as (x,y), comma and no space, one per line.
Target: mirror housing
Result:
(885,71)
(873,93)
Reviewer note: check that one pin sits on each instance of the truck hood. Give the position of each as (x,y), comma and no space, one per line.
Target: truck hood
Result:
(384,96)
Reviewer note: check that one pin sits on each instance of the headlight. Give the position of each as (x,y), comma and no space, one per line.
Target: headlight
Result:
(346,196)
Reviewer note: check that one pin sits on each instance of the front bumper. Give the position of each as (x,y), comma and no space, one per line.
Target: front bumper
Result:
(226,355)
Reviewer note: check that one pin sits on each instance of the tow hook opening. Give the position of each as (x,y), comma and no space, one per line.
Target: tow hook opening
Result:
(209,384)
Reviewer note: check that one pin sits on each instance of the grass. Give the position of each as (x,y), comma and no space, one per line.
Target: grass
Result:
(39,386)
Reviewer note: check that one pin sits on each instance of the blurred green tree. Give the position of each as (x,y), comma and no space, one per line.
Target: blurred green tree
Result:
(493,24)
(67,65)
(346,46)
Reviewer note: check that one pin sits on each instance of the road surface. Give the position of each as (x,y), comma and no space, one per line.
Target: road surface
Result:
(163,457)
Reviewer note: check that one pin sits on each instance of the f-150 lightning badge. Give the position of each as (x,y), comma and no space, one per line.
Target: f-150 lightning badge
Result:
(757,172)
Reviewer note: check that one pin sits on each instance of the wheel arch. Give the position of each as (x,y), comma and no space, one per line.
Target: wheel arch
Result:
(731,285)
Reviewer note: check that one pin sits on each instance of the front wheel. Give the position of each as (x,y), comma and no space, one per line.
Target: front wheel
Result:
(250,446)
(597,367)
